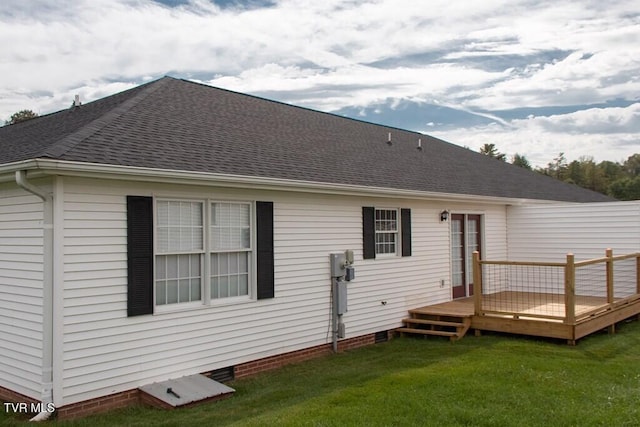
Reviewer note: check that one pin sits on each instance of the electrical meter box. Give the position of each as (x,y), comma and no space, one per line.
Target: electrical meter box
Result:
(350,273)
(338,265)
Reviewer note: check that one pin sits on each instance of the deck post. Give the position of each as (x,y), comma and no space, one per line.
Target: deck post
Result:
(638,273)
(638,276)
(609,255)
(477,284)
(570,290)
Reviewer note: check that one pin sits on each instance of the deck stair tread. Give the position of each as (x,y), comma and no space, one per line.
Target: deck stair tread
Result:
(429,311)
(433,322)
(428,332)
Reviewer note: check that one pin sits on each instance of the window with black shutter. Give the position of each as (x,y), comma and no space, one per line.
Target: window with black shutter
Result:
(182,253)
(385,231)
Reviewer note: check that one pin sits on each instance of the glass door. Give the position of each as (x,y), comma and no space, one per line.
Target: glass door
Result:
(466,237)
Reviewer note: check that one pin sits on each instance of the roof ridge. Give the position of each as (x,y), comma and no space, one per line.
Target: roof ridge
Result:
(72,140)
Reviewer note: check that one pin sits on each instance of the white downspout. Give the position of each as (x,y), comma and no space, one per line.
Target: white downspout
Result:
(47,295)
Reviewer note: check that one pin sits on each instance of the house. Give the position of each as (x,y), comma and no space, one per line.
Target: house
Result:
(176,228)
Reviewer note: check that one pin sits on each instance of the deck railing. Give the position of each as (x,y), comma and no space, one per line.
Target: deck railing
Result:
(560,291)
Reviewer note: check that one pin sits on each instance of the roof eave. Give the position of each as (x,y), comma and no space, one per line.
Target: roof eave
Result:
(44,166)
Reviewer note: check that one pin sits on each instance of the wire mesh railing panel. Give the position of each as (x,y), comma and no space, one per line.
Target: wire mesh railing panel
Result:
(591,280)
(625,278)
(523,290)
(495,278)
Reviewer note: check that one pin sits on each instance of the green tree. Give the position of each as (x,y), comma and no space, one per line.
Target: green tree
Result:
(632,165)
(491,151)
(594,178)
(626,188)
(21,116)
(558,167)
(522,161)
(612,178)
(575,173)
(611,170)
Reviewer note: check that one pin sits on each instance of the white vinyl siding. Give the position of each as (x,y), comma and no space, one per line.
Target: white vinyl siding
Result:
(105,351)
(549,232)
(21,278)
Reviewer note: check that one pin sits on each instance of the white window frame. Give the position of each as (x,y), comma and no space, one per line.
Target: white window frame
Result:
(157,253)
(396,233)
(205,256)
(250,251)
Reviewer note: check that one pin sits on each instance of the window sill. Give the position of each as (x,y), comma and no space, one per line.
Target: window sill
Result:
(387,256)
(201,305)
(177,307)
(217,302)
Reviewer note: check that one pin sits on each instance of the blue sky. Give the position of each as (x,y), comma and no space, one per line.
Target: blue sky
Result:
(533,77)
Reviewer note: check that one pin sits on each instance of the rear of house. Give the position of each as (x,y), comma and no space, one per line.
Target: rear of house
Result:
(207,312)
(136,249)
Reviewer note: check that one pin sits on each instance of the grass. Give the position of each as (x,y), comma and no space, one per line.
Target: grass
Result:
(493,380)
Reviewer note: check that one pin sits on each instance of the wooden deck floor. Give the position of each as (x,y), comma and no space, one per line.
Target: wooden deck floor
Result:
(538,314)
(550,306)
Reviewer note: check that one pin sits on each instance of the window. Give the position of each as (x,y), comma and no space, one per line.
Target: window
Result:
(386,231)
(230,249)
(179,251)
(193,252)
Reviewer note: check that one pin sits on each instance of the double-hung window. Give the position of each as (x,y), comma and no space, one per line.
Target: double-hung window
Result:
(179,251)
(386,226)
(230,249)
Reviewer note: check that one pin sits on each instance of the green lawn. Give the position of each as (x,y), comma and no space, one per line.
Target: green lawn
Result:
(480,381)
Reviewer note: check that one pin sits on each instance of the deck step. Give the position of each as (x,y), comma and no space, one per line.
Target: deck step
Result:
(428,332)
(444,324)
(433,322)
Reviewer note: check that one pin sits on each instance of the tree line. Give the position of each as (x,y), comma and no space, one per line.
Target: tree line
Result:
(618,180)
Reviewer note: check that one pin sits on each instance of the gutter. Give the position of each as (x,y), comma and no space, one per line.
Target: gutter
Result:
(43,167)
(47,294)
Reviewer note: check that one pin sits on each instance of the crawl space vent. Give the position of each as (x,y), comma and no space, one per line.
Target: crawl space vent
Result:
(223,375)
(381,336)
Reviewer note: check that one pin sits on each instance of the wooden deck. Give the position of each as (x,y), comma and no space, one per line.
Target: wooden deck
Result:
(536,314)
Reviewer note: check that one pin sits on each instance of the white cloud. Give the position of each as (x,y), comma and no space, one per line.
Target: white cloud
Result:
(487,55)
(602,133)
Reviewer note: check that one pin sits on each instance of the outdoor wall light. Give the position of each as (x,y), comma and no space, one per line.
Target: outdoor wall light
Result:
(444,216)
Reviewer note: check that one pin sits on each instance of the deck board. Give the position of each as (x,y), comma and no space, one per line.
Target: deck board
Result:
(539,304)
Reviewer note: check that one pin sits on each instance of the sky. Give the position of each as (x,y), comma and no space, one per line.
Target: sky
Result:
(533,77)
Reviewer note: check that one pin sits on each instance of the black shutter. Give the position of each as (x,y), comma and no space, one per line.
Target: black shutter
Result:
(264,238)
(405,229)
(139,255)
(368,232)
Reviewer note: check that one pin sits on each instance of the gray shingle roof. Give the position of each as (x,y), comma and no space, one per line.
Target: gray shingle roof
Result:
(180,125)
